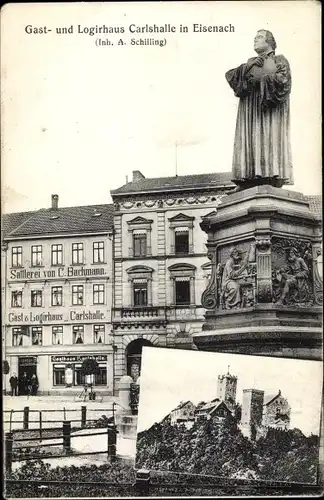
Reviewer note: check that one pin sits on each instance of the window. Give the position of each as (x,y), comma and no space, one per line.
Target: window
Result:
(36,255)
(98,334)
(78,334)
(58,375)
(36,298)
(182,292)
(37,335)
(57,295)
(101,376)
(181,242)
(183,278)
(16,257)
(57,335)
(57,255)
(98,294)
(139,245)
(140,294)
(98,252)
(77,295)
(77,253)
(17,337)
(16,298)
(79,377)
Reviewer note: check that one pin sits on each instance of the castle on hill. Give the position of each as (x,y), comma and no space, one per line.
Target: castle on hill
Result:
(259,410)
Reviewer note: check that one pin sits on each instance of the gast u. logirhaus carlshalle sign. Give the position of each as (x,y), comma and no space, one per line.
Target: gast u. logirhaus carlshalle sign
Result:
(59,272)
(47,317)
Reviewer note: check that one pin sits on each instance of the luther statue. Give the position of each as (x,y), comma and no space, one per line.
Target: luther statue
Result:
(262,153)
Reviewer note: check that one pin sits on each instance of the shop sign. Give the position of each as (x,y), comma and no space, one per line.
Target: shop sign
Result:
(46,317)
(77,358)
(59,272)
(27,360)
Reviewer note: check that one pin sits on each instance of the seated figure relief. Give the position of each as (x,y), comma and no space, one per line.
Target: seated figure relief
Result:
(236,279)
(293,280)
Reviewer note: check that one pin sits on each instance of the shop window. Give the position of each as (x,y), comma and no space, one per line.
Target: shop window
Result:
(139,245)
(37,335)
(78,334)
(16,298)
(36,255)
(57,296)
(57,255)
(181,242)
(98,252)
(77,253)
(99,334)
(101,376)
(16,257)
(17,337)
(98,294)
(77,295)
(182,291)
(79,377)
(36,298)
(140,294)
(57,335)
(58,375)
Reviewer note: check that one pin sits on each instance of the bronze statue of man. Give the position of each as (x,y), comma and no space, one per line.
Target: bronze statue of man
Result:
(262,153)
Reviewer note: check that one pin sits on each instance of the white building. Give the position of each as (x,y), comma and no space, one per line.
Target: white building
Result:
(57,290)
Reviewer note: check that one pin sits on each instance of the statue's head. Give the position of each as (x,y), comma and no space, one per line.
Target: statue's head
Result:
(292,254)
(264,41)
(235,253)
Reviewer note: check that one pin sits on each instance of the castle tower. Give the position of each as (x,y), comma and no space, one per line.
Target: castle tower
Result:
(226,389)
(252,409)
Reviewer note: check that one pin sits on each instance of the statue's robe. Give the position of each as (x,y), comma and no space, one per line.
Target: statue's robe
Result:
(262,137)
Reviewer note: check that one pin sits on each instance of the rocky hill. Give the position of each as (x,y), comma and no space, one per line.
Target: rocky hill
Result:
(211,449)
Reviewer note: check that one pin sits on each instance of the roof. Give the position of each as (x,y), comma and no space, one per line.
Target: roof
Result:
(268,398)
(181,405)
(75,220)
(315,203)
(176,183)
(210,405)
(10,221)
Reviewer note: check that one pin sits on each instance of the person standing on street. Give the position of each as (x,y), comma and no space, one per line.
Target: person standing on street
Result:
(14,384)
(34,385)
(25,384)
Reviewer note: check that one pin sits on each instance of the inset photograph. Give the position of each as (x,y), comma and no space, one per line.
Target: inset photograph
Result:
(228,415)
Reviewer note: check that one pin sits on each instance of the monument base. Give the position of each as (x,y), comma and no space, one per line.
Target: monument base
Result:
(265,292)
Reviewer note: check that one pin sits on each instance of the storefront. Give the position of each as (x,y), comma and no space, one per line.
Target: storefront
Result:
(67,371)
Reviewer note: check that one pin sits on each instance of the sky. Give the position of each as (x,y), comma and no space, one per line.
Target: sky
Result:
(169,376)
(78,118)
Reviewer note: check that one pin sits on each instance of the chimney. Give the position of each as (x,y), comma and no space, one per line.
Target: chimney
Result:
(55,199)
(137,176)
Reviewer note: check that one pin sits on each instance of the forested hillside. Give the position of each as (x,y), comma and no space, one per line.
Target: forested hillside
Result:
(207,448)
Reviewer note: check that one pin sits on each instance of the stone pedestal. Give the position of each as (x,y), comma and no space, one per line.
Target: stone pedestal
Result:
(265,292)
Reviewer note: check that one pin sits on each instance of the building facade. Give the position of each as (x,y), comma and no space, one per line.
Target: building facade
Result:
(58,296)
(260,412)
(160,264)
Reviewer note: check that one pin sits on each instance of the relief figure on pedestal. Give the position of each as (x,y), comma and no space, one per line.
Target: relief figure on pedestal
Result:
(234,277)
(262,151)
(293,279)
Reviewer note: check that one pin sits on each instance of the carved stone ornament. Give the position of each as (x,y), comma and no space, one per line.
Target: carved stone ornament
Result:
(292,272)
(263,244)
(237,279)
(209,296)
(318,277)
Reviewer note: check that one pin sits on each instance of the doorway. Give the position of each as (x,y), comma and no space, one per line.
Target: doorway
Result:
(134,357)
(26,365)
